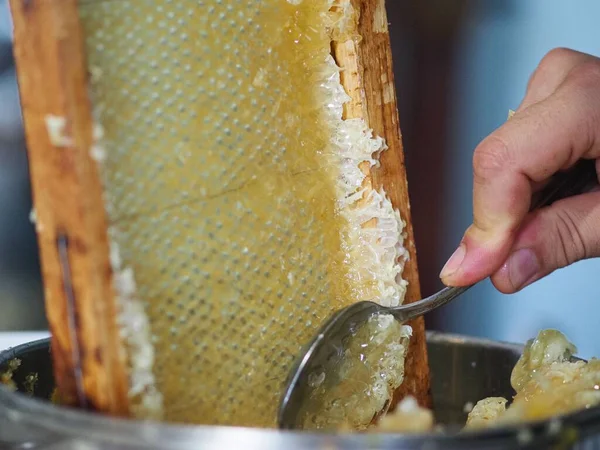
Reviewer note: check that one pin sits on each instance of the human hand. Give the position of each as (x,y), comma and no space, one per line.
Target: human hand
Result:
(557,124)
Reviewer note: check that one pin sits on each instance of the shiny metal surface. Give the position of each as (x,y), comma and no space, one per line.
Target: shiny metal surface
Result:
(332,335)
(463,369)
(331,338)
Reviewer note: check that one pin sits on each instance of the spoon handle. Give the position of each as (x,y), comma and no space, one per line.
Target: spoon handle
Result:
(404,313)
(580,178)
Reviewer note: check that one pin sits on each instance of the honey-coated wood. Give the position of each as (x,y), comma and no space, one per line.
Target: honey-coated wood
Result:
(71,223)
(368,78)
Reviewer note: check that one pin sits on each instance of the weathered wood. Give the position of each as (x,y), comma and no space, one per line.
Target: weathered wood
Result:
(71,225)
(368,77)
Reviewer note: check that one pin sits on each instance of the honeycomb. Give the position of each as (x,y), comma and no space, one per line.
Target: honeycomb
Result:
(547,383)
(234,196)
(408,417)
(357,384)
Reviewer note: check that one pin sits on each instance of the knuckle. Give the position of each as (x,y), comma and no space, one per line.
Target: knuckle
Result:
(586,74)
(556,65)
(556,56)
(584,94)
(571,244)
(491,158)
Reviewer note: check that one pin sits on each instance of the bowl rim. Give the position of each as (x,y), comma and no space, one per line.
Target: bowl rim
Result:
(63,421)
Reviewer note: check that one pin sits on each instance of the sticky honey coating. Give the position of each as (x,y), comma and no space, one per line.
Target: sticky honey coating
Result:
(486,412)
(357,383)
(408,417)
(6,377)
(547,383)
(235,202)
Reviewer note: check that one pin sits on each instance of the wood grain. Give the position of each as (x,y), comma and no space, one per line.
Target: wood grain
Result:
(368,78)
(71,223)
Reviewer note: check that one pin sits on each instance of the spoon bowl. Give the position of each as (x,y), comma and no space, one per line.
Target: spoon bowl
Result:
(330,343)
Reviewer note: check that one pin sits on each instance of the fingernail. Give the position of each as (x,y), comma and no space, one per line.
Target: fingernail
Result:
(522,266)
(454,262)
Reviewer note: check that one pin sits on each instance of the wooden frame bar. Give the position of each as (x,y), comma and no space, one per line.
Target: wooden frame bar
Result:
(368,77)
(71,223)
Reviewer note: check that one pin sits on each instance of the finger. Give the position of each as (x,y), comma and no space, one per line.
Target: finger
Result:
(550,73)
(546,137)
(552,238)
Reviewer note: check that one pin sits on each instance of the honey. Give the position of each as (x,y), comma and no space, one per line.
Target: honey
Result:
(357,384)
(547,380)
(408,417)
(486,411)
(6,377)
(547,383)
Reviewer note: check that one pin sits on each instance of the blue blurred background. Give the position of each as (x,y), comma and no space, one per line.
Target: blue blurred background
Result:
(20,286)
(460,65)
(464,65)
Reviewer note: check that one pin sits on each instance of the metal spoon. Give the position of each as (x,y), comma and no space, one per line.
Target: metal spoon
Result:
(343,323)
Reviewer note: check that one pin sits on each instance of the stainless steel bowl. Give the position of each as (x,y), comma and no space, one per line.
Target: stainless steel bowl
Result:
(463,370)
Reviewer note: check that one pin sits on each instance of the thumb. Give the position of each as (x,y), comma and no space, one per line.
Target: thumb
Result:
(552,238)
